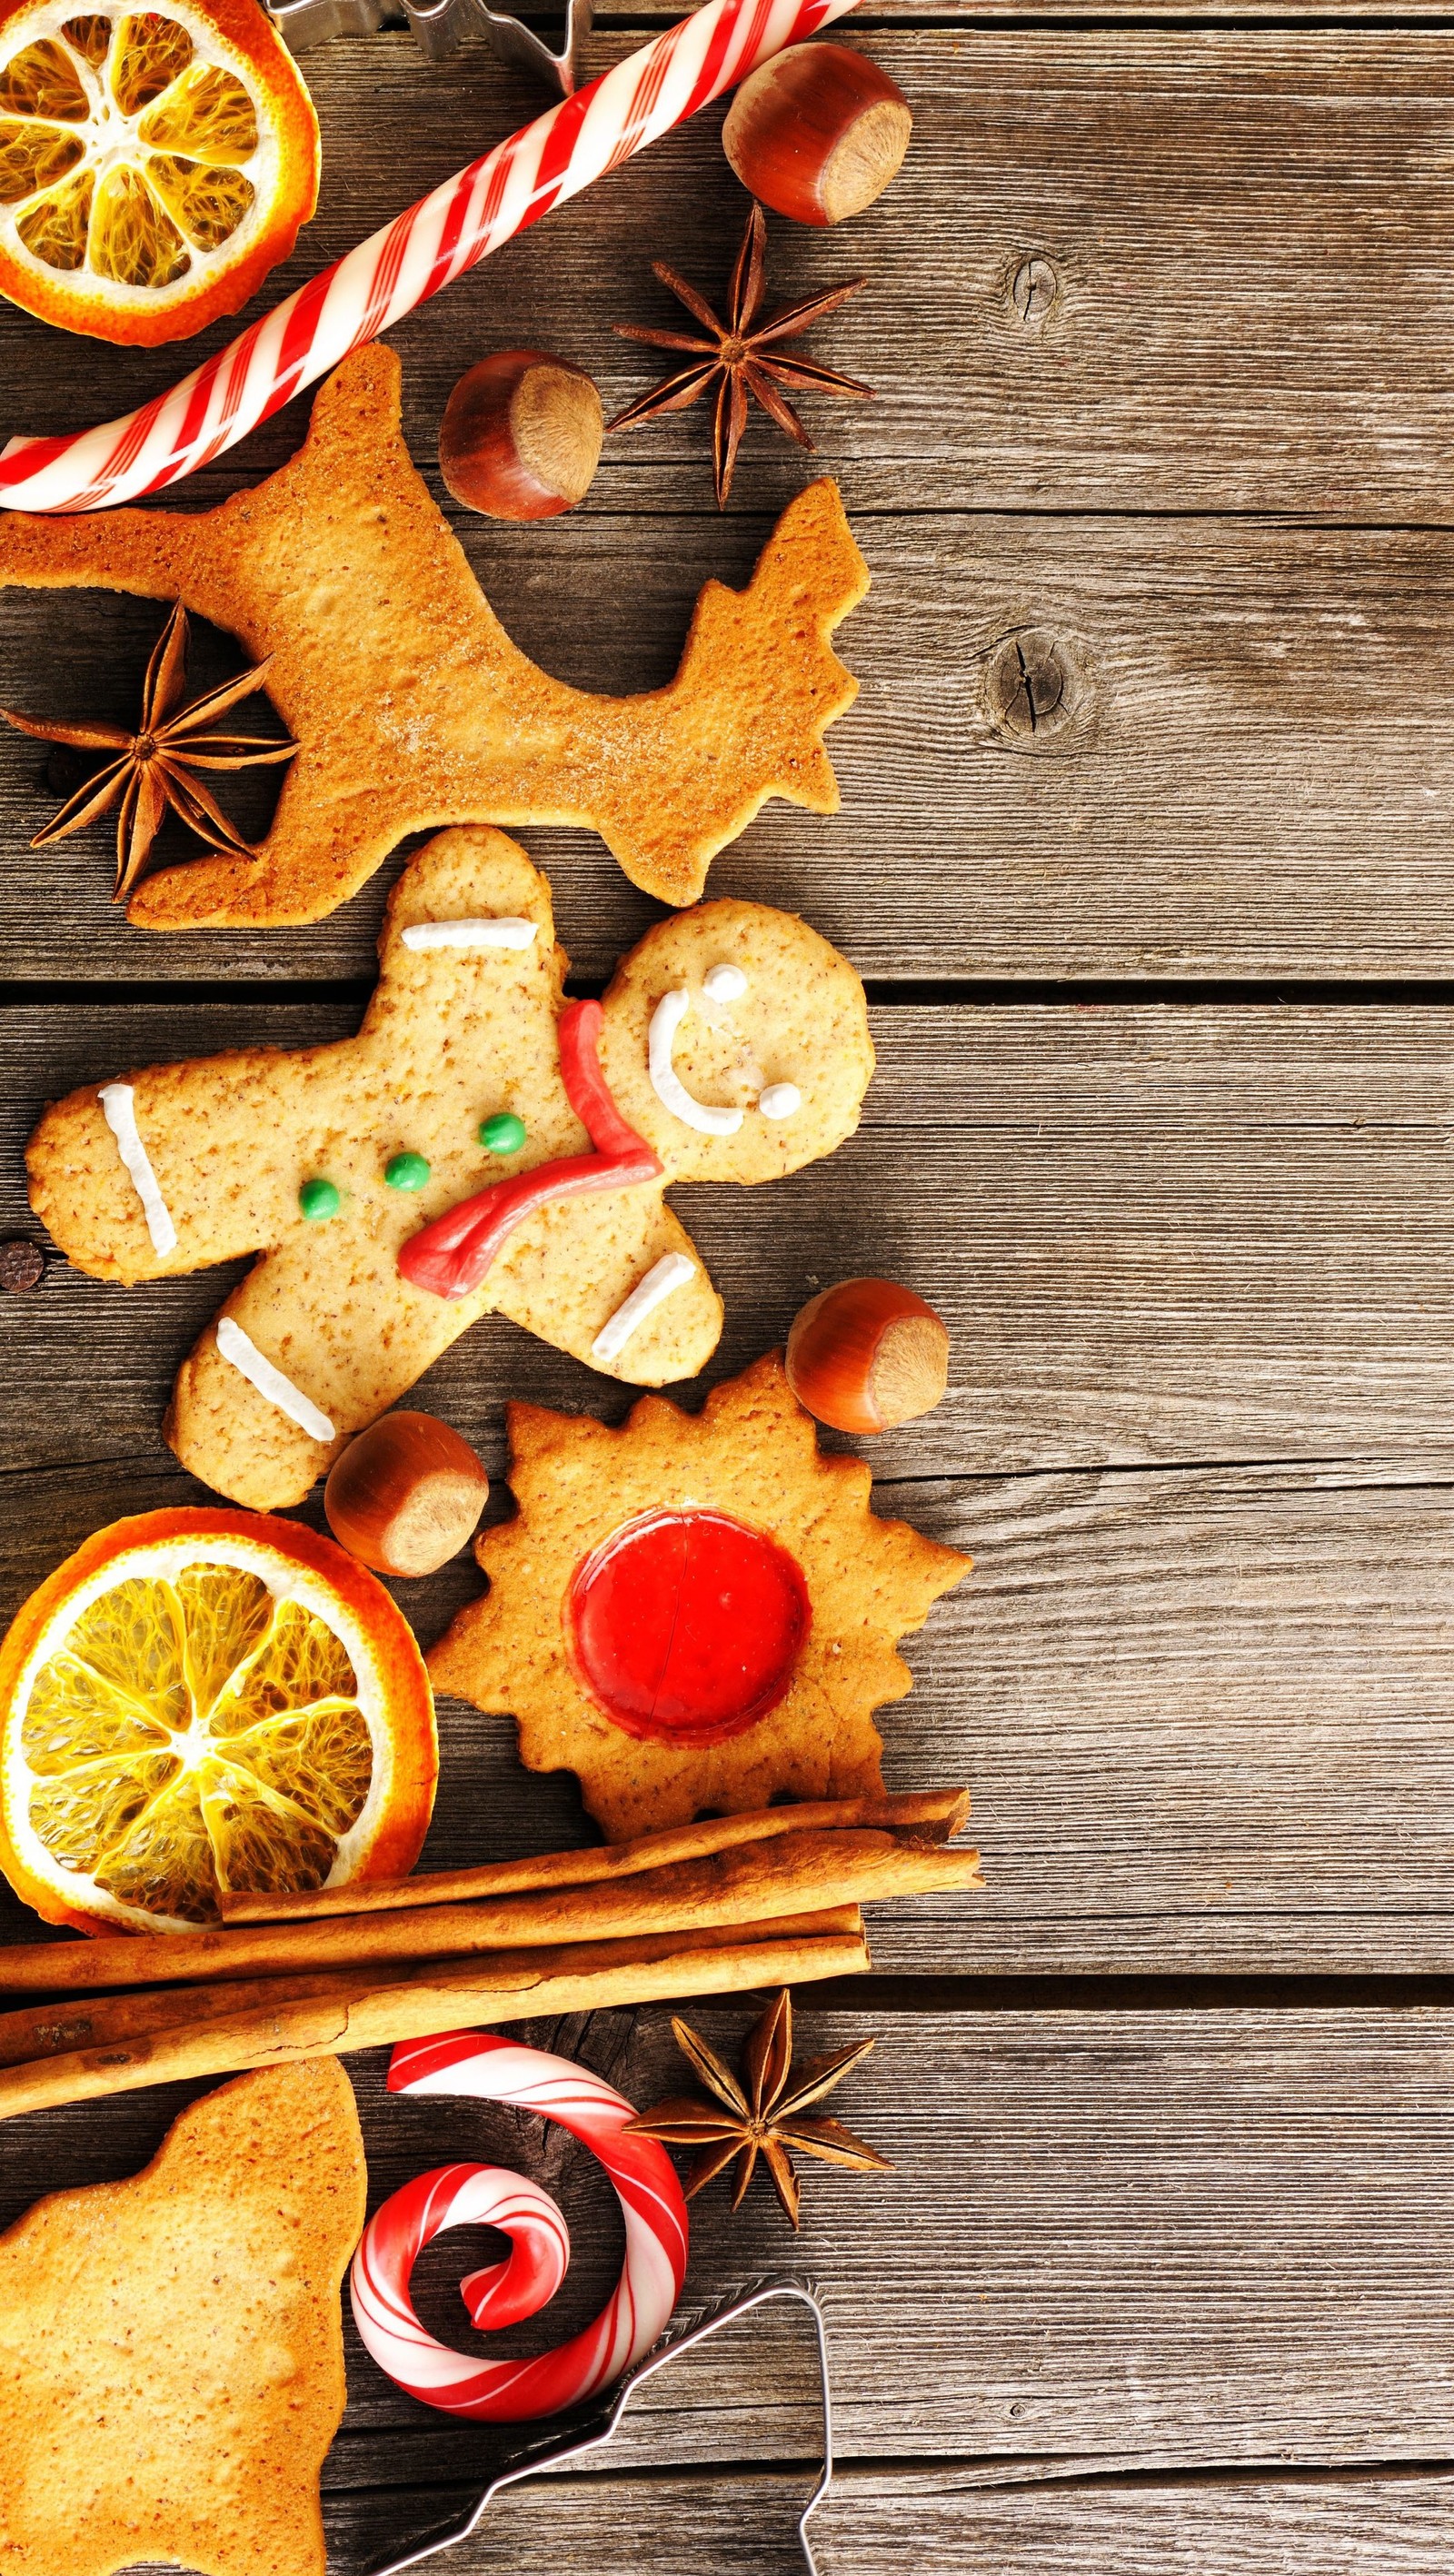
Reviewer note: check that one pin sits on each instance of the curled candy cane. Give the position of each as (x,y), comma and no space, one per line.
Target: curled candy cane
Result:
(512,2392)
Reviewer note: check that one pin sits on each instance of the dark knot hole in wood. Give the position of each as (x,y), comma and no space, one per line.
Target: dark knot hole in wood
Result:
(1038,692)
(1033,289)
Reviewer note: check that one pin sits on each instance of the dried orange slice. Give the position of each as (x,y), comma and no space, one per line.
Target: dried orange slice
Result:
(200,1700)
(154,165)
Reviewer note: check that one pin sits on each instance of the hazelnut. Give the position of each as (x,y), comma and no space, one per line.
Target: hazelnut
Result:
(521,435)
(817,133)
(405,1495)
(867,1355)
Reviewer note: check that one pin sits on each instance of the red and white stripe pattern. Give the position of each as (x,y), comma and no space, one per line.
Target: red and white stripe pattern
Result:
(410,260)
(513,2392)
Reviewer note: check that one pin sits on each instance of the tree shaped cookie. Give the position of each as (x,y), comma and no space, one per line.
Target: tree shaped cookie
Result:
(411,706)
(171,2346)
(481,1146)
(693,1614)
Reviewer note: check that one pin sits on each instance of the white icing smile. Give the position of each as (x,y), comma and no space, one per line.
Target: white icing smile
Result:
(666,1082)
(670,1273)
(118,1101)
(269,1380)
(504,932)
(724,983)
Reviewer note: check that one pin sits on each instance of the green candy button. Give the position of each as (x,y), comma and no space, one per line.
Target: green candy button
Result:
(319,1200)
(503,1134)
(407,1172)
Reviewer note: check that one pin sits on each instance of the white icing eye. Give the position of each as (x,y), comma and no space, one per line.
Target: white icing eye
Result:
(724,983)
(666,1082)
(780,1100)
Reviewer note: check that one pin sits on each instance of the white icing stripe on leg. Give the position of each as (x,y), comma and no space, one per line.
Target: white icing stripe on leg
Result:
(118,1101)
(234,1345)
(505,932)
(670,1273)
(667,1083)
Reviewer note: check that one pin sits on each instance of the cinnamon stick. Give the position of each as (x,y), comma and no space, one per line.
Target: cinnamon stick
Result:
(930,1815)
(92,2022)
(330,2016)
(797,1873)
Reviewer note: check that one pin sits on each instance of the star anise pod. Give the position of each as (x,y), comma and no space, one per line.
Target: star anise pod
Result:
(148,769)
(761,2116)
(741,357)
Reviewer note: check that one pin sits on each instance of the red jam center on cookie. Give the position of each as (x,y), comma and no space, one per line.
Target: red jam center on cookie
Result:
(687,1626)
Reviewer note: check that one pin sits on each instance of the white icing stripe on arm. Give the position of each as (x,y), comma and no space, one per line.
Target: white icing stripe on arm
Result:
(118,1101)
(234,1345)
(671,1272)
(670,1090)
(505,932)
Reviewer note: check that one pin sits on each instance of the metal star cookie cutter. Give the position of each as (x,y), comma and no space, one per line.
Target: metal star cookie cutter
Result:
(439,27)
(592,2435)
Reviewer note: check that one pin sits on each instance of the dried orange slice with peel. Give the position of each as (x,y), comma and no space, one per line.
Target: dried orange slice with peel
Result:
(207,1699)
(154,164)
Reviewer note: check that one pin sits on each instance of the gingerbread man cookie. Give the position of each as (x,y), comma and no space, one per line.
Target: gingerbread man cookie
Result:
(481,1146)
(411,707)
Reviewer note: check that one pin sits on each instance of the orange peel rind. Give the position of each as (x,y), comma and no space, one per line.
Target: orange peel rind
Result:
(154,163)
(204,1698)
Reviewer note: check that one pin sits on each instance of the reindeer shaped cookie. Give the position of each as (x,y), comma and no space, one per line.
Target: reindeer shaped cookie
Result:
(411,706)
(481,1146)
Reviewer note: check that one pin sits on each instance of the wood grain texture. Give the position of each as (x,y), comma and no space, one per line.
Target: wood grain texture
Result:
(1134,2270)
(1250,306)
(1249,770)
(1246,767)
(1115,2241)
(928,2522)
(1203,1712)
(1157,1235)
(934,2522)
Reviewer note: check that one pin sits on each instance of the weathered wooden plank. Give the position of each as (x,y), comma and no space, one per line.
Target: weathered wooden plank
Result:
(1186,357)
(1249,771)
(1149,2240)
(1247,768)
(929,2521)
(1204,1716)
(1156,1234)
(924,2521)
(1204,1713)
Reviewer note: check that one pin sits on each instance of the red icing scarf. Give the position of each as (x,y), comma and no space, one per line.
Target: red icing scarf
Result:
(452,1255)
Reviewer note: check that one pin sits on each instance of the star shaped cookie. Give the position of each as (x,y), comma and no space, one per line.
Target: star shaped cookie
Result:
(693,1613)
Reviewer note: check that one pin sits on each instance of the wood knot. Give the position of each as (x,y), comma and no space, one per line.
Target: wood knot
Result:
(1038,691)
(1034,289)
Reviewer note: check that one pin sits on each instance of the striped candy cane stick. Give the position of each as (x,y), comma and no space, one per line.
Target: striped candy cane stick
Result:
(410,260)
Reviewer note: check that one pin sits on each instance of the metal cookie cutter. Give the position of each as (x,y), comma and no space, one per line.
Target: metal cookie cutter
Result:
(439,26)
(597,2429)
